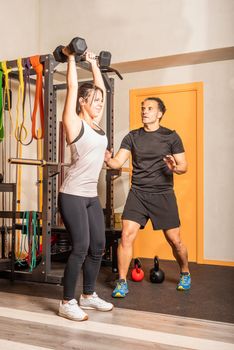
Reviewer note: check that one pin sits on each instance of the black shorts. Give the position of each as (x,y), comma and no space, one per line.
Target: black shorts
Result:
(161,209)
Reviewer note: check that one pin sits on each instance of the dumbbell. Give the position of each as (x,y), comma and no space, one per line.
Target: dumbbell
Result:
(77,46)
(104,59)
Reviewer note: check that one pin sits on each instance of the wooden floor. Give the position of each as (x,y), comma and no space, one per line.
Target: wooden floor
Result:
(29,322)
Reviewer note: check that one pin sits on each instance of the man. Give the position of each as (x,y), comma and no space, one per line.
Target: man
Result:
(157,153)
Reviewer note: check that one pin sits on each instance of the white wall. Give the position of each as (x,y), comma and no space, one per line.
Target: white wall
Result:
(19,28)
(218,79)
(136,29)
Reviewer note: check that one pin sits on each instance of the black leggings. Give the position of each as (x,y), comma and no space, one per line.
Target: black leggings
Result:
(84,221)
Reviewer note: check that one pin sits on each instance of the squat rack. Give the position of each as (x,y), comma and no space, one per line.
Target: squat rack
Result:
(43,273)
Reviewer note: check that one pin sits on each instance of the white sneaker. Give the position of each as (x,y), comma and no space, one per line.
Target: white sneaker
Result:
(95,303)
(72,311)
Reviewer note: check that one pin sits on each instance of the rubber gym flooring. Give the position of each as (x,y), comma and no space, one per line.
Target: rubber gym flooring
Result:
(211,296)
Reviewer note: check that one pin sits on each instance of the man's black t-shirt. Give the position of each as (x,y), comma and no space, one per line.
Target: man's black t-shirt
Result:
(150,172)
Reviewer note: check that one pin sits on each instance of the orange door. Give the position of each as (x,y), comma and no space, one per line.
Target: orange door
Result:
(184,113)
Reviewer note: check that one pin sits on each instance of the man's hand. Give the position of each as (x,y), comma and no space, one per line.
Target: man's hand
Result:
(176,163)
(170,161)
(118,160)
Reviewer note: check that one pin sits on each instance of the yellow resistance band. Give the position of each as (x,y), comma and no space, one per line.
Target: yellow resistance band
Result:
(1,107)
(19,106)
(6,91)
(40,171)
(18,195)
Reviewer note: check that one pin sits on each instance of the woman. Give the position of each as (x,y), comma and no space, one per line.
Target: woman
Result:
(78,201)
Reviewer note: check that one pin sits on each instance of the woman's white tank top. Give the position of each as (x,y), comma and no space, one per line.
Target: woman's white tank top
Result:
(87,157)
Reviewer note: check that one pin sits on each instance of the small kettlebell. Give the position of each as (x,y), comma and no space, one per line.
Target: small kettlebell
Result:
(156,274)
(137,273)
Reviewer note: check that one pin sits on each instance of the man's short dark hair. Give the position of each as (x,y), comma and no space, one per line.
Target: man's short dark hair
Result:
(161,104)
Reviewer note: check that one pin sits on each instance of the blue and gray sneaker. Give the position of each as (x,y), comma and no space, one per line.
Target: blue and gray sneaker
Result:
(121,289)
(185,281)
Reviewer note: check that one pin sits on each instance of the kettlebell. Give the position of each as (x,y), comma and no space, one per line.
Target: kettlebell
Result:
(137,272)
(156,274)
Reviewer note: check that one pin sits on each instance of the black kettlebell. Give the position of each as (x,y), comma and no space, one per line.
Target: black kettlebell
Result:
(156,274)
(1,178)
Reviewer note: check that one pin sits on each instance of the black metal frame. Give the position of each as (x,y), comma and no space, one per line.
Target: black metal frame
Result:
(9,263)
(42,273)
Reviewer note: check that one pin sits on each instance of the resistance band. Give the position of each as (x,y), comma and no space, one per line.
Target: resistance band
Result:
(19,153)
(26,79)
(6,91)
(18,137)
(38,67)
(19,106)
(1,107)
(40,173)
(22,252)
(30,233)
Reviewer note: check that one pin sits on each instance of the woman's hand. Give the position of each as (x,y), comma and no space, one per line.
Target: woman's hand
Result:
(66,52)
(91,58)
